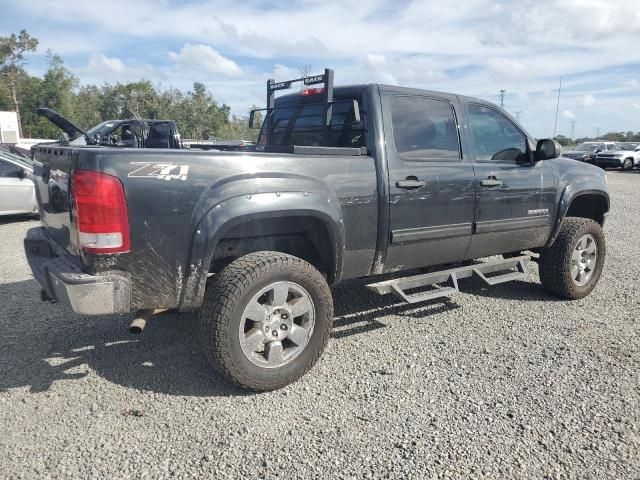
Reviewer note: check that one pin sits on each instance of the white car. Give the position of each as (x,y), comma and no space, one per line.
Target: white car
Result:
(17,190)
(624,156)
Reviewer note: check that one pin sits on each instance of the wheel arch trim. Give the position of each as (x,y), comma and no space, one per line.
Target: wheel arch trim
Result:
(569,194)
(224,216)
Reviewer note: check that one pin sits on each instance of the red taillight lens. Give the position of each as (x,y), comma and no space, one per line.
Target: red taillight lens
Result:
(101,212)
(311,91)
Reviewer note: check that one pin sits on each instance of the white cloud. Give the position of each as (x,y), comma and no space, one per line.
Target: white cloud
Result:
(588,100)
(507,67)
(568,114)
(197,57)
(102,67)
(102,63)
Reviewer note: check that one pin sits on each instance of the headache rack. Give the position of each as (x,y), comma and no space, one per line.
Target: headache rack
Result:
(326,102)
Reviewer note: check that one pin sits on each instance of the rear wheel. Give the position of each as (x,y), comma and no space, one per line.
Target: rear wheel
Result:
(571,267)
(266,320)
(627,164)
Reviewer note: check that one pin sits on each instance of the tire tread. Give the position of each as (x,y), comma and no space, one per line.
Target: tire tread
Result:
(222,298)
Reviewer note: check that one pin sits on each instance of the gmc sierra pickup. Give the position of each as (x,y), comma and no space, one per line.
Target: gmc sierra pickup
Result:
(345,182)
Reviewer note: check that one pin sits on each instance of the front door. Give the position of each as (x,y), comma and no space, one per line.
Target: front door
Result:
(515,196)
(431,191)
(16,190)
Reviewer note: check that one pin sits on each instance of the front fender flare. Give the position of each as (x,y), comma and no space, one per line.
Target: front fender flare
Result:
(570,192)
(233,211)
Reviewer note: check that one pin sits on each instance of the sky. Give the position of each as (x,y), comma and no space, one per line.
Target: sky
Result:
(469,47)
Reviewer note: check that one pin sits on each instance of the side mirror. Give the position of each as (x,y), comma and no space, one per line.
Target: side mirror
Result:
(22,174)
(547,149)
(97,138)
(64,138)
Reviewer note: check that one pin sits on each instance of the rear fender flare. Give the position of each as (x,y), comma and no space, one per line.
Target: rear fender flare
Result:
(226,214)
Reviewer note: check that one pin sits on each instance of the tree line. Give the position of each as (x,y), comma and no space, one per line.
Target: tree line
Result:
(611,136)
(197,113)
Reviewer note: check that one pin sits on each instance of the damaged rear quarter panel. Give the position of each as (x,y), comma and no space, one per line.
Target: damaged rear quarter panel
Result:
(168,261)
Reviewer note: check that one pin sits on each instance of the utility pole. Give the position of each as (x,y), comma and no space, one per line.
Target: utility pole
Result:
(502,98)
(555,126)
(573,129)
(518,115)
(598,132)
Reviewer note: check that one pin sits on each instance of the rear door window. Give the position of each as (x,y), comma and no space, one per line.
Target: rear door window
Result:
(424,128)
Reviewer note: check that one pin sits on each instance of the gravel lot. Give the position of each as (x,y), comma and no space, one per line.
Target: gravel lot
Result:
(495,383)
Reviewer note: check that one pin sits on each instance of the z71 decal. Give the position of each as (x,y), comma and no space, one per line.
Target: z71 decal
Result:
(161,171)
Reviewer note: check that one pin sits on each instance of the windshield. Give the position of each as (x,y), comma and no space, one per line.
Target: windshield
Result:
(301,124)
(101,126)
(586,147)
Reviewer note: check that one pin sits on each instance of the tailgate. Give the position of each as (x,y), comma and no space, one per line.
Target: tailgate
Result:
(51,175)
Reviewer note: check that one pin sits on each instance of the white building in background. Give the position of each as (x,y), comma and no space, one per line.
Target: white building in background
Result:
(10,133)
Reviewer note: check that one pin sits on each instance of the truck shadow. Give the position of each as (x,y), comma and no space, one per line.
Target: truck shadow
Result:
(43,344)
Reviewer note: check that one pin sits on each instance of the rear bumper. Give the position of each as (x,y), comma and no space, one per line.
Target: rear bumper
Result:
(63,280)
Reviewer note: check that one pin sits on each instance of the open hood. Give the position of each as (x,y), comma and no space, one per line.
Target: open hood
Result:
(65,125)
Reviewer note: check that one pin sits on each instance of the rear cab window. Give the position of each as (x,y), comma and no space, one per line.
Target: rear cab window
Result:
(299,121)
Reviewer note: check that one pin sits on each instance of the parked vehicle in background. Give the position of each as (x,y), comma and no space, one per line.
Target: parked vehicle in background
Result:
(17,190)
(624,156)
(345,182)
(129,133)
(587,151)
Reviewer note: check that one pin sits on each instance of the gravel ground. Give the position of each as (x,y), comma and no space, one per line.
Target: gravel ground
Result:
(503,382)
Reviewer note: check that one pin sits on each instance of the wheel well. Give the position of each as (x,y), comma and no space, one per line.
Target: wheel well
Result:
(590,205)
(304,237)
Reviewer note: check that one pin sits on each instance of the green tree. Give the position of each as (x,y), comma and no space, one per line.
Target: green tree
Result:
(562,140)
(12,52)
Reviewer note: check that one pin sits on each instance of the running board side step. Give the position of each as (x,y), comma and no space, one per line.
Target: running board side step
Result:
(512,268)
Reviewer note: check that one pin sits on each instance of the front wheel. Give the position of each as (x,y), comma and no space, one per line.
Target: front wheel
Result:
(627,164)
(266,319)
(571,267)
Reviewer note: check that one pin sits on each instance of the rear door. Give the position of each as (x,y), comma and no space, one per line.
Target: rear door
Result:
(431,190)
(515,197)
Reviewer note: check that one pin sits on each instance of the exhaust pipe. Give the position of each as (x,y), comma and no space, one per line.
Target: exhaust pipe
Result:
(140,320)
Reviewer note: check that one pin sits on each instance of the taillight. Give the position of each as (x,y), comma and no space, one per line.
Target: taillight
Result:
(311,91)
(101,212)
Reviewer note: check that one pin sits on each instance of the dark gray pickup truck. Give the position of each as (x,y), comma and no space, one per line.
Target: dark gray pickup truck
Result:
(346,182)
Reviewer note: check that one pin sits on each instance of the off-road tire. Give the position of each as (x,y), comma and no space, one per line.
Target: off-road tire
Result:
(627,164)
(224,302)
(555,261)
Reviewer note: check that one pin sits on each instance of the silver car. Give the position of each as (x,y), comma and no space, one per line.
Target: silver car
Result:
(17,191)
(624,156)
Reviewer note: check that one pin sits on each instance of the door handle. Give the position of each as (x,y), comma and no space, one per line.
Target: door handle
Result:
(492,181)
(410,183)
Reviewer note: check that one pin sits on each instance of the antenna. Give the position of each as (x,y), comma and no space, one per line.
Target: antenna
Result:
(555,126)
(502,98)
